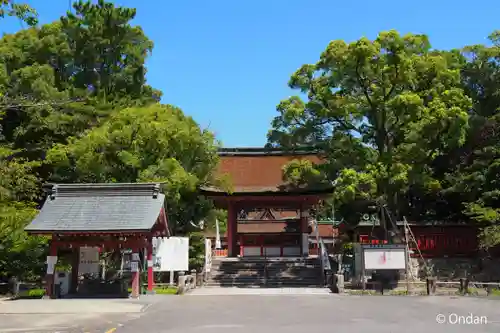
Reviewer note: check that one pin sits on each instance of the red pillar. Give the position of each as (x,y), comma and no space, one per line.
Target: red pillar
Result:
(241,246)
(150,265)
(231,230)
(49,278)
(304,226)
(74,269)
(135,273)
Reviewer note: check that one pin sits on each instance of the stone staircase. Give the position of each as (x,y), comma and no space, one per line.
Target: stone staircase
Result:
(265,273)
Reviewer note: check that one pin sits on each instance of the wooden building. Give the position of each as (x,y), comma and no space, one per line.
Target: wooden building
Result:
(108,216)
(266,216)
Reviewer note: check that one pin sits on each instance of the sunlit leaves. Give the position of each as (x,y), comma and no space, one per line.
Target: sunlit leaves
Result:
(149,144)
(395,104)
(22,11)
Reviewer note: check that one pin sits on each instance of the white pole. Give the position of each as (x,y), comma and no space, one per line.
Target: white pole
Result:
(171,282)
(218,245)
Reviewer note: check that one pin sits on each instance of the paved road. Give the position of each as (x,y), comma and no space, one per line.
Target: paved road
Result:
(72,315)
(320,313)
(297,314)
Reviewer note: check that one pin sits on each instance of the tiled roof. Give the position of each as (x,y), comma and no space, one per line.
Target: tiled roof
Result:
(264,151)
(281,189)
(99,207)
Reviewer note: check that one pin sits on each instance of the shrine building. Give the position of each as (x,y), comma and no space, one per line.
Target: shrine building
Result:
(266,216)
(111,217)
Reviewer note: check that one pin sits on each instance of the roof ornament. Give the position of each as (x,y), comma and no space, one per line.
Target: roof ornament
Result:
(53,192)
(156,191)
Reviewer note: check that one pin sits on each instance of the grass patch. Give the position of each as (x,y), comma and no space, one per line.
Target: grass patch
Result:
(31,294)
(495,292)
(167,290)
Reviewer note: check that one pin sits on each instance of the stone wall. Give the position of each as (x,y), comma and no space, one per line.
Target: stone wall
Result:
(449,268)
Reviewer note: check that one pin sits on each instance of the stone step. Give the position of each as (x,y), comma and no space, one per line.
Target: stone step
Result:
(262,284)
(286,276)
(264,281)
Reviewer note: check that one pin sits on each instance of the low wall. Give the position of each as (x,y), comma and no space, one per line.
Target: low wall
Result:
(449,268)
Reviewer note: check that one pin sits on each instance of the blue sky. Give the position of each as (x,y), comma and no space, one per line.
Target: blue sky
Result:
(227,62)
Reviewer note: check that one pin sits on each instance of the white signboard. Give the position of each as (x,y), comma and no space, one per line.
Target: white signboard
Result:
(170,254)
(89,260)
(134,266)
(208,255)
(51,264)
(379,258)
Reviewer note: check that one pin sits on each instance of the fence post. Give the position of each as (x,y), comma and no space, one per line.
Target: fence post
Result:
(431,286)
(464,286)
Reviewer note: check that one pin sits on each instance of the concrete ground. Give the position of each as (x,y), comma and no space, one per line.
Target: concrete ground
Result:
(291,313)
(68,315)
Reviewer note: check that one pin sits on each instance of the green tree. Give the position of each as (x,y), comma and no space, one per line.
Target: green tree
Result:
(393,103)
(21,255)
(57,81)
(475,167)
(65,77)
(149,144)
(22,11)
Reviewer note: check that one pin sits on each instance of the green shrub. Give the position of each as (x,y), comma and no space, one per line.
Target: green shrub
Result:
(31,294)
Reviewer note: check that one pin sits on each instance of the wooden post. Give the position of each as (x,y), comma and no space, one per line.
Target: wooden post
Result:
(407,258)
(134,265)
(431,285)
(464,286)
(242,250)
(75,262)
(150,266)
(231,230)
(51,263)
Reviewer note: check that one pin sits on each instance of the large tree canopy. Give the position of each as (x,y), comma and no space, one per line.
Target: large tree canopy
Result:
(150,144)
(382,109)
(57,81)
(62,78)
(475,168)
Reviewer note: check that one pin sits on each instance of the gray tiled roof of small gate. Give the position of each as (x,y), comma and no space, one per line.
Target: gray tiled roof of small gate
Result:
(99,207)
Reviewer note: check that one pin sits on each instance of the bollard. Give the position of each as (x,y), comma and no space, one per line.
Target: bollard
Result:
(193,274)
(181,283)
(431,286)
(199,279)
(339,281)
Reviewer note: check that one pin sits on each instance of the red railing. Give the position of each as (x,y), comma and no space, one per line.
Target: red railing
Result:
(436,242)
(219,253)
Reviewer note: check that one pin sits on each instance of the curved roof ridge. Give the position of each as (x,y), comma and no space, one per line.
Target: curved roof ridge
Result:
(265,151)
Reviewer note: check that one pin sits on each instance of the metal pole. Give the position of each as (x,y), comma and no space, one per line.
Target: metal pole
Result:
(407,259)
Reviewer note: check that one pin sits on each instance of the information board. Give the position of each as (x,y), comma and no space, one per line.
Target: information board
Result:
(89,260)
(384,258)
(170,254)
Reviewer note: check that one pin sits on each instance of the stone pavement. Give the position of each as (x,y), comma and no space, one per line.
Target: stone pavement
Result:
(226,291)
(70,306)
(68,315)
(320,313)
(285,312)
